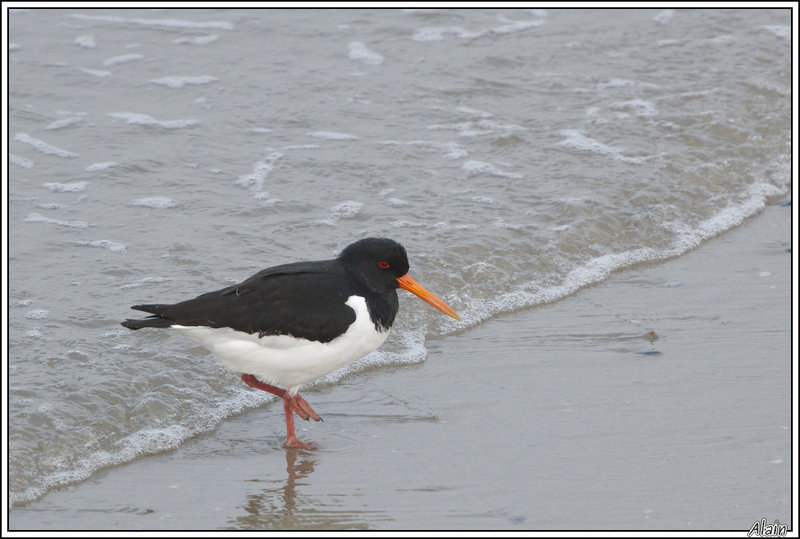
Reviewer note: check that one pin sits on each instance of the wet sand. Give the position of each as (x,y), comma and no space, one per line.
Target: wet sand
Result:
(569,416)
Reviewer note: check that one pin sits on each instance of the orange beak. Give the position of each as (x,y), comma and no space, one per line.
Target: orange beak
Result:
(407,283)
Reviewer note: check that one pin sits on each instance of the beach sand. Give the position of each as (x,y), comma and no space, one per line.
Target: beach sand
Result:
(568,416)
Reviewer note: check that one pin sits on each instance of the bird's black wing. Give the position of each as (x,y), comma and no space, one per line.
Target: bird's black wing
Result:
(304,300)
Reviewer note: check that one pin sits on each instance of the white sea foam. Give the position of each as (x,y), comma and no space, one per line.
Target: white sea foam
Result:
(663,17)
(508,26)
(261,169)
(599,268)
(116,332)
(265,199)
(638,107)
(442,225)
(360,52)
(147,441)
(86,41)
(64,122)
(20,161)
(42,146)
(480,167)
(723,39)
(438,33)
(346,210)
(623,83)
(180,82)
(197,40)
(72,187)
(475,112)
(139,443)
(330,135)
(477,128)
(730,217)
(779,30)
(37,314)
(575,140)
(159,203)
(122,59)
(764,85)
(423,11)
(142,119)
(409,224)
(178,24)
(465,129)
(96,167)
(112,246)
(482,199)
(95,72)
(499,223)
(302,147)
(144,281)
(37,218)
(452,150)
(35,333)
(397,202)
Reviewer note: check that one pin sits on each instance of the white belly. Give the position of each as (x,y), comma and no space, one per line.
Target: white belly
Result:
(285,360)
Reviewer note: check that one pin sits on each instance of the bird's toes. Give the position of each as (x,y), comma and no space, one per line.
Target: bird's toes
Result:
(294,442)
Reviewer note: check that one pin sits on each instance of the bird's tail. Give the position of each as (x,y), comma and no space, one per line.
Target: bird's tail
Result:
(156,321)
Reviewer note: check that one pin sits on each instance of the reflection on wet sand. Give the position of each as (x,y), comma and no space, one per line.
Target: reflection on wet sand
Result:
(282,507)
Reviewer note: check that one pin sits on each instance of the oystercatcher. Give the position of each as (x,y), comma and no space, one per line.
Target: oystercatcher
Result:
(291,324)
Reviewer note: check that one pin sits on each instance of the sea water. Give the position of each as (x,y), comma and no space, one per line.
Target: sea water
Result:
(519,155)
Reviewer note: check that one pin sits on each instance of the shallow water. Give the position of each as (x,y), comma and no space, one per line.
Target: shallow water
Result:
(519,155)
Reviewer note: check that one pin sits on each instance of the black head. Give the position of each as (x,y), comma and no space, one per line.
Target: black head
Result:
(379,261)
(382,265)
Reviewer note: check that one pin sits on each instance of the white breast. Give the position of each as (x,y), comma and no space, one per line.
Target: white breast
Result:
(285,360)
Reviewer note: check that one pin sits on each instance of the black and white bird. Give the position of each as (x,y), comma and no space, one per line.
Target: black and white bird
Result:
(291,324)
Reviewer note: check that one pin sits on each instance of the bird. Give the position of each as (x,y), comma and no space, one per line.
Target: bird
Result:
(291,324)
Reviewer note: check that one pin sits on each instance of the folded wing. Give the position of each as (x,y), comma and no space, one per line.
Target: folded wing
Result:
(294,299)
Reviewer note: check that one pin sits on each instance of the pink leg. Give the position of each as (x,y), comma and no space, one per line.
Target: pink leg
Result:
(252,381)
(299,404)
(291,405)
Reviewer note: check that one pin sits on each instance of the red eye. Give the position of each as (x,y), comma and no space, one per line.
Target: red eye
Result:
(384,264)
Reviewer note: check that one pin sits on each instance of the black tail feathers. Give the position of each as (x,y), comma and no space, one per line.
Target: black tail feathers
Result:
(151,322)
(155,321)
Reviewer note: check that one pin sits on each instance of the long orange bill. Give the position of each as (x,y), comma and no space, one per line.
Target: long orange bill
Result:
(407,283)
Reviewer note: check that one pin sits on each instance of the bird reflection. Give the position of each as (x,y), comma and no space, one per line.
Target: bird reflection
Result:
(284,506)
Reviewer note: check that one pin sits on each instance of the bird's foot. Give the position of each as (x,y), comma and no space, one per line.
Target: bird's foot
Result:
(292,441)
